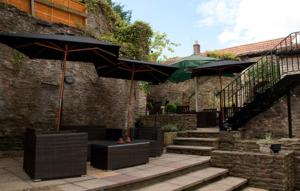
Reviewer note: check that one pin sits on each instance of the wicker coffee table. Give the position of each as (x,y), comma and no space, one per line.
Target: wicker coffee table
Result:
(109,155)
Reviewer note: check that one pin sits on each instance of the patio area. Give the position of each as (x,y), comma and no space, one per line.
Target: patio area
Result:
(13,178)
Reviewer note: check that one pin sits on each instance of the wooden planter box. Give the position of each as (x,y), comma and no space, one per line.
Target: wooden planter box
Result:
(54,154)
(169,138)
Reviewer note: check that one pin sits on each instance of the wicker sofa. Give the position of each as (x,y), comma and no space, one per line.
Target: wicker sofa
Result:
(95,134)
(53,154)
(153,135)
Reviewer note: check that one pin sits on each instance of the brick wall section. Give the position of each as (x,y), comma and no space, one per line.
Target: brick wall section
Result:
(273,172)
(29,96)
(183,122)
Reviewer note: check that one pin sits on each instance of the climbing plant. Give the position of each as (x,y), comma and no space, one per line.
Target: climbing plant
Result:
(17,61)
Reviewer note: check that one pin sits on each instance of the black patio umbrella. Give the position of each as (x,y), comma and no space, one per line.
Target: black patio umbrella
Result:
(136,70)
(62,47)
(219,68)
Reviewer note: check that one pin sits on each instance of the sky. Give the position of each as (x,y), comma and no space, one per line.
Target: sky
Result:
(216,24)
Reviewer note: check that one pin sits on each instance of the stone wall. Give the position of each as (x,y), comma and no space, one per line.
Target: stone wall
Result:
(272,172)
(184,92)
(29,91)
(275,119)
(183,121)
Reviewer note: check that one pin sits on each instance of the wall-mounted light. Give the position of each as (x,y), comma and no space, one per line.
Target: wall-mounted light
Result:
(69,79)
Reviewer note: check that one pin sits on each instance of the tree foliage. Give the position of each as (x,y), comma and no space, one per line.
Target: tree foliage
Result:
(119,9)
(221,55)
(159,44)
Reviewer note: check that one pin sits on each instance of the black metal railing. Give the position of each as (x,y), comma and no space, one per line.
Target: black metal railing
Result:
(283,59)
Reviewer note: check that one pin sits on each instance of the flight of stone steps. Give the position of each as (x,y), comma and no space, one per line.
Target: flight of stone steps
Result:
(200,177)
(197,142)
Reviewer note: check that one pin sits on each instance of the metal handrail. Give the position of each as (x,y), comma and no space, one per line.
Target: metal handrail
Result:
(261,76)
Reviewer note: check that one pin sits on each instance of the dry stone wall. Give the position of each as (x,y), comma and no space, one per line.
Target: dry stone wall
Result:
(275,119)
(182,121)
(272,172)
(184,92)
(29,89)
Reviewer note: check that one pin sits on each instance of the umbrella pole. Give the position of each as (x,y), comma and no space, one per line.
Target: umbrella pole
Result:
(196,93)
(129,114)
(61,89)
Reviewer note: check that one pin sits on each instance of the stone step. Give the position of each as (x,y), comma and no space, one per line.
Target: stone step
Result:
(226,184)
(193,150)
(211,142)
(168,171)
(199,134)
(253,189)
(203,134)
(188,181)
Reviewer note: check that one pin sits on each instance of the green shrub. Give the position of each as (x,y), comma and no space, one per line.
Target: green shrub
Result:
(169,128)
(138,123)
(266,141)
(171,108)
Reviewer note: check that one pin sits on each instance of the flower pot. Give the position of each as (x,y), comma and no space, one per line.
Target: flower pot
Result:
(169,137)
(264,148)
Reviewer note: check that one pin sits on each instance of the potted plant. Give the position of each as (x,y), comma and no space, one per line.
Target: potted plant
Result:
(171,108)
(265,143)
(170,132)
(149,107)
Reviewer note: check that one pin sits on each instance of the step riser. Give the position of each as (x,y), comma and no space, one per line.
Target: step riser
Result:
(161,178)
(197,143)
(202,135)
(189,151)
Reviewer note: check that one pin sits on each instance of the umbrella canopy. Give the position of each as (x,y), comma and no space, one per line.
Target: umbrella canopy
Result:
(223,66)
(186,64)
(143,71)
(136,70)
(54,46)
(62,47)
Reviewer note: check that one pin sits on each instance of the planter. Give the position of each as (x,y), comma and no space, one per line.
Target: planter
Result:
(169,137)
(49,155)
(265,148)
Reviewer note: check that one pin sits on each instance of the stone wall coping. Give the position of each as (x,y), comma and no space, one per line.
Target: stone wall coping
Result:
(282,153)
(289,140)
(167,115)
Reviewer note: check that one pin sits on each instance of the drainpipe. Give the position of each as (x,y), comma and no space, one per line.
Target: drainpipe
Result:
(32,7)
(290,124)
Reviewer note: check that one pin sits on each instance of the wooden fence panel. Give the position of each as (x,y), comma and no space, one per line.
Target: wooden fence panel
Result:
(69,12)
(23,5)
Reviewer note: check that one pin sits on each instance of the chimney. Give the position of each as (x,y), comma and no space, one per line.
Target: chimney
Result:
(196,48)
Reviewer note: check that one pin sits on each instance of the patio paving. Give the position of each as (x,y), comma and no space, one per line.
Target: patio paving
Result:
(13,178)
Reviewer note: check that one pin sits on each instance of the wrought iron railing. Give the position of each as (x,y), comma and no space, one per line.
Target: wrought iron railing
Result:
(283,59)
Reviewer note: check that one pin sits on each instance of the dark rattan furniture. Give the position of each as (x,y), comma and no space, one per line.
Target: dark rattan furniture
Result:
(96,134)
(49,155)
(110,156)
(153,135)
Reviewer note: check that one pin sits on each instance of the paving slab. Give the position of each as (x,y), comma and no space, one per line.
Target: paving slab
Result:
(71,187)
(94,183)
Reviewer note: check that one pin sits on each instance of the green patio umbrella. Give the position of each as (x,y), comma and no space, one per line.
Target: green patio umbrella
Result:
(185,65)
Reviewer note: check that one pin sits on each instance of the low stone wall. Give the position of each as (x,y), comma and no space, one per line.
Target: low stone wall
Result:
(183,121)
(297,168)
(272,172)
